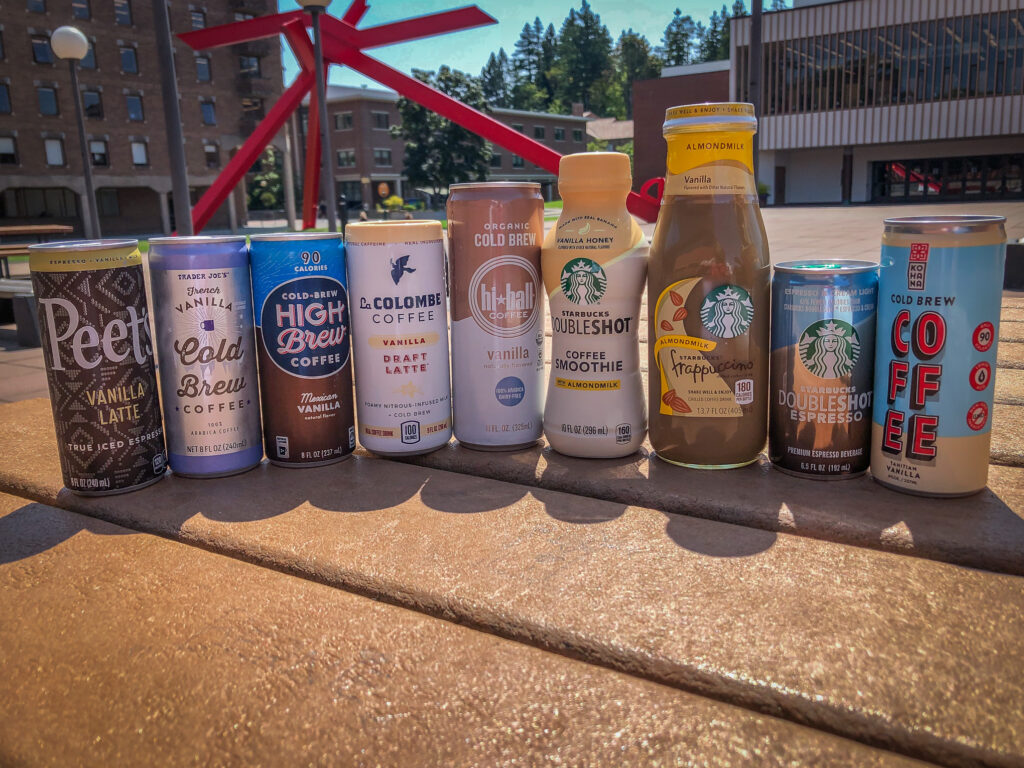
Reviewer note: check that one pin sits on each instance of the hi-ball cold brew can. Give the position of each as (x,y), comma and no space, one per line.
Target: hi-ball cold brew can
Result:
(495,232)
(400,319)
(822,363)
(202,299)
(303,334)
(94,320)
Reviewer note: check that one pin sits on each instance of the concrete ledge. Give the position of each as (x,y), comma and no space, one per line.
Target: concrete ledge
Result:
(895,652)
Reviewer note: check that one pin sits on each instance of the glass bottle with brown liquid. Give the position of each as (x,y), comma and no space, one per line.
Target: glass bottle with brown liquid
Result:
(708,294)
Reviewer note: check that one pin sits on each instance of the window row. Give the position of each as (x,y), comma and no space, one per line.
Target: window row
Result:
(954,58)
(343,121)
(92,104)
(347,158)
(82,9)
(949,178)
(53,151)
(540,132)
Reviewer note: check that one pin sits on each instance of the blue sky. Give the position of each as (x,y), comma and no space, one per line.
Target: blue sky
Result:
(468,50)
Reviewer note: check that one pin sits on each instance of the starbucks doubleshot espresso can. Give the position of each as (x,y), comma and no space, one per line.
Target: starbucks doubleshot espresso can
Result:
(400,320)
(304,341)
(202,297)
(94,320)
(822,361)
(495,231)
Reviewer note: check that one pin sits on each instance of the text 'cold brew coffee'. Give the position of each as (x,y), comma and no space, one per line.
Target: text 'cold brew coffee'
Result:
(708,294)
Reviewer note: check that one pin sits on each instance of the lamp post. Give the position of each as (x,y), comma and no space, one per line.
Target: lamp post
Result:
(315,8)
(69,43)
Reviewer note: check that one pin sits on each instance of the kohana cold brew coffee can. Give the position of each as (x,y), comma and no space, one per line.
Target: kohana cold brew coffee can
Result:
(939,296)
(495,231)
(94,322)
(202,299)
(822,365)
(400,319)
(304,339)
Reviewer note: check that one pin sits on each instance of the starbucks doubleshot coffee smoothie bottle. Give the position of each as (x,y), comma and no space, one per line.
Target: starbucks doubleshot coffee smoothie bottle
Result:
(708,294)
(594,262)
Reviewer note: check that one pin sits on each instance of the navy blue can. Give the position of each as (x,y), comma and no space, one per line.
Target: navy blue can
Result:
(303,337)
(822,367)
(202,300)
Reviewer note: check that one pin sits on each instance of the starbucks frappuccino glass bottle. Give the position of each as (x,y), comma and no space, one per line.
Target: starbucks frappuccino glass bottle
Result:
(594,262)
(708,294)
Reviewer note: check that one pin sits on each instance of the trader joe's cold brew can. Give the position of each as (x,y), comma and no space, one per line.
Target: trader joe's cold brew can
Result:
(202,298)
(939,295)
(303,335)
(96,340)
(495,232)
(400,321)
(822,363)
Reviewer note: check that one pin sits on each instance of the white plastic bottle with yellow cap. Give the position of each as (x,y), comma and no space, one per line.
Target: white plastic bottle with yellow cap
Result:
(595,263)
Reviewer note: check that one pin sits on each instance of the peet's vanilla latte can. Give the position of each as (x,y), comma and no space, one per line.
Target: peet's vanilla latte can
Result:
(495,232)
(400,322)
(94,320)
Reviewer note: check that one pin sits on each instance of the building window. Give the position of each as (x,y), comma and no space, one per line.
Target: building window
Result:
(244,16)
(123,12)
(538,132)
(54,151)
(559,134)
(342,121)
(517,127)
(140,153)
(36,6)
(208,112)
(5,99)
(347,158)
(80,9)
(577,135)
(89,60)
(134,104)
(381,121)
(249,66)
(212,155)
(98,153)
(8,151)
(107,203)
(129,61)
(198,19)
(92,104)
(990,177)
(41,51)
(47,101)
(495,160)
(382,157)
(252,107)
(1,45)
(517,162)
(203,69)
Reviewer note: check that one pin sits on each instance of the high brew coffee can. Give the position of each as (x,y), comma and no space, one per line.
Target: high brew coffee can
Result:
(939,296)
(400,320)
(303,336)
(495,232)
(822,365)
(99,364)
(202,297)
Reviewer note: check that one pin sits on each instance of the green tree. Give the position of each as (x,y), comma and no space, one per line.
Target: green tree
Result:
(739,8)
(265,189)
(528,52)
(527,95)
(584,57)
(635,61)
(497,80)
(437,151)
(679,38)
(548,55)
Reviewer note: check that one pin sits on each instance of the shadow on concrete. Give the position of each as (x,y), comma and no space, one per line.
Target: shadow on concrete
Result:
(36,528)
(469,494)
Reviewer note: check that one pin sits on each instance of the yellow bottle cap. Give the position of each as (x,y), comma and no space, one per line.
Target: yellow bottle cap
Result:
(595,169)
(710,116)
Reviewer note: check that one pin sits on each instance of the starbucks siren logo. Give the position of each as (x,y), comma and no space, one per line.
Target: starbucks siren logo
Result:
(727,311)
(829,348)
(583,281)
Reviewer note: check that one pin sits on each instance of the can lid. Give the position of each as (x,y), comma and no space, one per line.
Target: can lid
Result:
(533,185)
(83,245)
(710,116)
(275,236)
(944,225)
(595,170)
(811,267)
(196,239)
(408,231)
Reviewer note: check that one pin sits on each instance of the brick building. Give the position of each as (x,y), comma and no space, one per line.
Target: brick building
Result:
(369,162)
(223,92)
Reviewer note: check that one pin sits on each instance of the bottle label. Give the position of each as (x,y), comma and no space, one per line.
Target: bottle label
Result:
(712,163)
(696,380)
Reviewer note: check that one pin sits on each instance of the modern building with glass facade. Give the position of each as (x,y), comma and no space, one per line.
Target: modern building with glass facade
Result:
(889,100)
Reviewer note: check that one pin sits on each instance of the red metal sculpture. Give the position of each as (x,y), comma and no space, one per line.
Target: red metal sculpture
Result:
(343,44)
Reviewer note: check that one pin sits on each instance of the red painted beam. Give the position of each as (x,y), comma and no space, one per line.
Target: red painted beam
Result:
(302,47)
(408,29)
(241,31)
(311,178)
(355,12)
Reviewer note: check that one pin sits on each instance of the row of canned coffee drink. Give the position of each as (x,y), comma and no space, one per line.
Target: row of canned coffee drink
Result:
(717,323)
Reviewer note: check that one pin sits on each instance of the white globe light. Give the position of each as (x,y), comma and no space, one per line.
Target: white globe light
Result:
(69,43)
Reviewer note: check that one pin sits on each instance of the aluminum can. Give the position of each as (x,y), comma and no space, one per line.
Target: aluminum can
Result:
(822,367)
(495,231)
(400,326)
(202,300)
(939,296)
(98,351)
(303,339)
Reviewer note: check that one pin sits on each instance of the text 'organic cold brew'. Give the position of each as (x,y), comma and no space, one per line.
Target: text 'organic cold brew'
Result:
(708,294)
